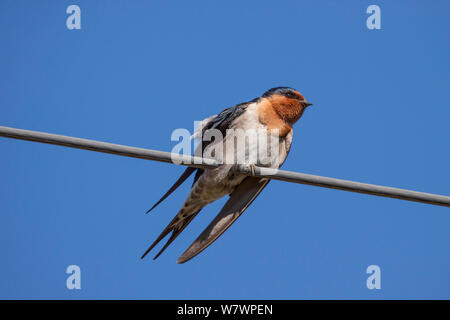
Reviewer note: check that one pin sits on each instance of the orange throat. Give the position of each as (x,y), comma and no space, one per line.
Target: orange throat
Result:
(280,113)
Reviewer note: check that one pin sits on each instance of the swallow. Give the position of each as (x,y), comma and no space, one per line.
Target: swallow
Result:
(276,110)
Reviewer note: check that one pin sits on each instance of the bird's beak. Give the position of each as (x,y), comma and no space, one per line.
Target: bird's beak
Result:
(307,104)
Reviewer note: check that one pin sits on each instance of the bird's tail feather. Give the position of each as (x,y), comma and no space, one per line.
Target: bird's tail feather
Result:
(176,226)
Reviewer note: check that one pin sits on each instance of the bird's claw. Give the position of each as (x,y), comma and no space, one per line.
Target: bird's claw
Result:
(252,169)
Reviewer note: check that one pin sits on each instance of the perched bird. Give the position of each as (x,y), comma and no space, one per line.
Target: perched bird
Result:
(275,112)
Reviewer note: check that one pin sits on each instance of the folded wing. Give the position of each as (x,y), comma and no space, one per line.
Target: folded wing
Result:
(239,201)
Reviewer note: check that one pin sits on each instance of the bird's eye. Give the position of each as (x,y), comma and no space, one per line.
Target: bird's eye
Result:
(291,95)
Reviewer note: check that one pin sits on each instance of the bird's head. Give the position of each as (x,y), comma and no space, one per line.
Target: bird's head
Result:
(287,102)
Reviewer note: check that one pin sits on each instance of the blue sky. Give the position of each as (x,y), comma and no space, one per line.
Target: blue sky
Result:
(135,72)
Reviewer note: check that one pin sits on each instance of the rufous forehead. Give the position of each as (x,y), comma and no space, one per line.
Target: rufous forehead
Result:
(299,95)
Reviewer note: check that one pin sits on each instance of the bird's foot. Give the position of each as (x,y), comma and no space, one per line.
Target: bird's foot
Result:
(252,169)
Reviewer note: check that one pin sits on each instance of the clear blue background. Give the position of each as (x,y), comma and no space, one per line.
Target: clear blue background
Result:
(137,71)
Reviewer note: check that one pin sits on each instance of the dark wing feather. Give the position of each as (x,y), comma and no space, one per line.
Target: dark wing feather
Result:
(224,119)
(239,200)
